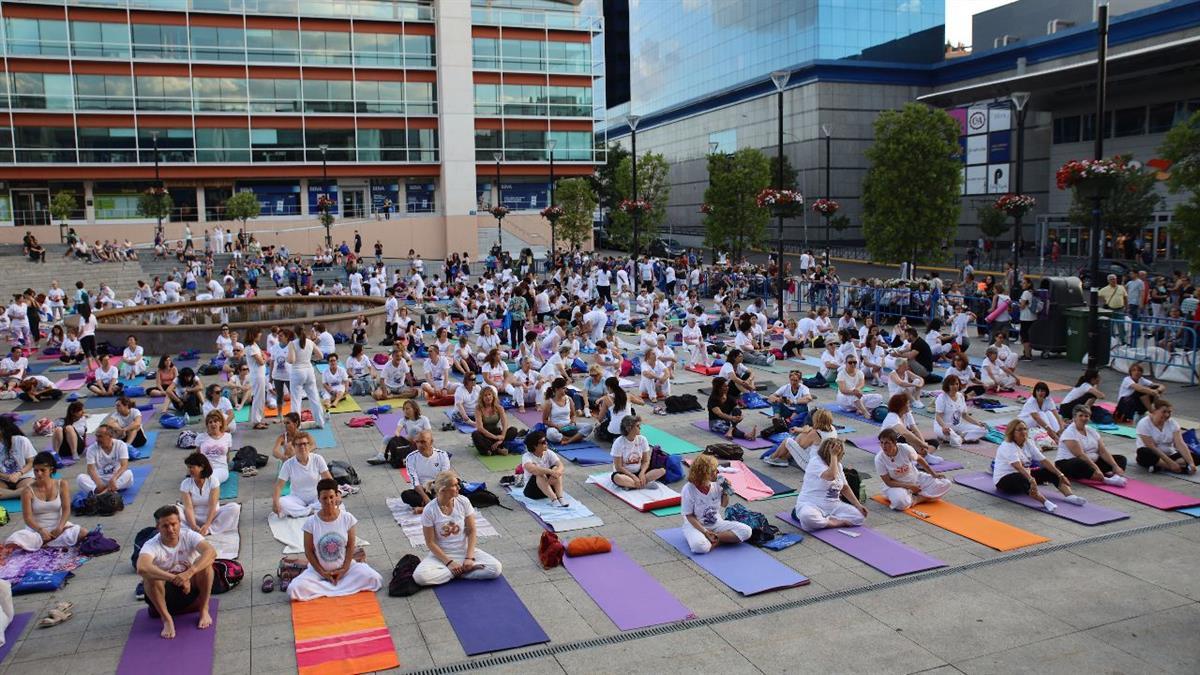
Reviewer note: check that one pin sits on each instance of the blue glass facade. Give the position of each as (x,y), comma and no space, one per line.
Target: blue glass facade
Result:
(681,50)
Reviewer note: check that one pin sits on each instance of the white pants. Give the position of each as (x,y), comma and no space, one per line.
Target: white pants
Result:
(1001,379)
(431,571)
(309,585)
(134,369)
(649,389)
(968,431)
(902,498)
(30,540)
(226,519)
(258,387)
(700,543)
(305,380)
(295,507)
(697,354)
(813,517)
(869,401)
(798,452)
(86,484)
(555,436)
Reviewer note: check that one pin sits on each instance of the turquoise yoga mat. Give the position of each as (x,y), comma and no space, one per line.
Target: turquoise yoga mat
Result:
(671,444)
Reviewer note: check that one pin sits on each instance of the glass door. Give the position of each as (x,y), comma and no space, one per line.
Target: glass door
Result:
(354,203)
(31,207)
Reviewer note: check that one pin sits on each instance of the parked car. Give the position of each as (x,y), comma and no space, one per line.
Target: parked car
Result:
(666,248)
(1111,266)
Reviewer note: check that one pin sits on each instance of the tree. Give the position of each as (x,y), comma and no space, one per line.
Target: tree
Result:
(911,193)
(993,224)
(63,205)
(840,222)
(1182,148)
(790,175)
(652,187)
(735,222)
(578,202)
(604,180)
(155,202)
(243,206)
(1127,208)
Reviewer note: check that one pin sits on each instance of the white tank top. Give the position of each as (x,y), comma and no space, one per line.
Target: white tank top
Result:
(303,354)
(614,423)
(46,513)
(560,415)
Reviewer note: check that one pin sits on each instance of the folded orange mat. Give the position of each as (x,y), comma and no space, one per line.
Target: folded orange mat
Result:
(335,636)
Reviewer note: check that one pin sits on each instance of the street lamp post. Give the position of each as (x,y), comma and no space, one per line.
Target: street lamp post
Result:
(158,232)
(780,79)
(499,202)
(1095,338)
(551,144)
(828,131)
(325,189)
(1020,99)
(637,216)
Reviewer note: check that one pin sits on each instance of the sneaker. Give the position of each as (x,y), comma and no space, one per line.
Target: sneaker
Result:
(1117,481)
(377,459)
(956,441)
(1050,506)
(919,405)
(1075,499)
(771,461)
(139,593)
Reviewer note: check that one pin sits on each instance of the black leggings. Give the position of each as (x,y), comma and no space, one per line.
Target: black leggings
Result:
(1147,458)
(280,386)
(516,332)
(192,405)
(413,498)
(1076,468)
(484,444)
(88,343)
(1017,484)
(791,347)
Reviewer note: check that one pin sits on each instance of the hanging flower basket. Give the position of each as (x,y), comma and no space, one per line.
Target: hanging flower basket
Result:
(826,207)
(552,213)
(772,198)
(635,206)
(706,209)
(324,204)
(498,212)
(1090,177)
(1014,205)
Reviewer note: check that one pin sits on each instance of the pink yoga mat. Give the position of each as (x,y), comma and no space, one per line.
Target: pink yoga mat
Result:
(69,384)
(744,442)
(1145,493)
(1018,395)
(625,591)
(190,653)
(746,484)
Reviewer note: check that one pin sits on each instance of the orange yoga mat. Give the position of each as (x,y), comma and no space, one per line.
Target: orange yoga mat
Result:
(973,526)
(1054,386)
(342,635)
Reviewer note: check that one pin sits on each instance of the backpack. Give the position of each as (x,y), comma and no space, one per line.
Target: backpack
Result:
(380,409)
(724,451)
(95,543)
(360,421)
(290,567)
(173,421)
(43,427)
(1037,304)
(341,338)
(396,450)
(186,440)
(103,504)
(226,575)
(247,456)
(144,535)
(879,413)
(343,473)
(208,369)
(480,496)
(381,358)
(762,530)
(134,391)
(402,584)
(682,403)
(817,381)
(550,550)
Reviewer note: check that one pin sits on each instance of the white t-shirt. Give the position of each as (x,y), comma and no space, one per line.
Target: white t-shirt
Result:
(107,463)
(450,530)
(409,429)
(394,374)
(1077,393)
(422,469)
(467,399)
(1009,453)
(1127,386)
(200,496)
(223,406)
(335,380)
(1026,301)
(1164,439)
(902,467)
(304,478)
(326,343)
(548,460)
(951,409)
(790,397)
(1048,411)
(330,538)
(437,371)
(19,365)
(106,376)
(892,419)
(1088,440)
(705,507)
(14,458)
(359,366)
(174,559)
(816,491)
(855,381)
(964,376)
(630,453)
(216,449)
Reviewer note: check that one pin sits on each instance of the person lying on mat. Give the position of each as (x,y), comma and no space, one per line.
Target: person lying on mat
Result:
(631,457)
(1014,471)
(126,422)
(16,460)
(850,395)
(804,441)
(176,570)
(820,502)
(702,501)
(200,499)
(995,375)
(449,528)
(107,464)
(558,414)
(492,431)
(36,388)
(543,470)
(951,421)
(900,420)
(1160,441)
(423,465)
(1040,413)
(906,475)
(305,469)
(45,507)
(1137,395)
(329,544)
(725,413)
(790,401)
(1081,452)
(735,373)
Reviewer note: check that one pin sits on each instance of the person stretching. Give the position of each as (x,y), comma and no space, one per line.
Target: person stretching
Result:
(701,502)
(1081,452)
(1014,473)
(176,570)
(819,504)
(907,476)
(449,529)
(329,544)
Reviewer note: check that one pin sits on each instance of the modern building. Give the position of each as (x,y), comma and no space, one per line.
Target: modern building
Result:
(414,104)
(837,88)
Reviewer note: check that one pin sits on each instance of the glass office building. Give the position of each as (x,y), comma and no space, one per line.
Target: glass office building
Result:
(680,51)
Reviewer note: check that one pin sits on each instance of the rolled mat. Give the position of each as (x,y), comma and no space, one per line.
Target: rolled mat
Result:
(1145,493)
(670,444)
(746,443)
(979,528)
(871,444)
(190,653)
(13,632)
(487,616)
(741,567)
(342,635)
(881,552)
(586,455)
(647,499)
(1088,514)
(625,591)
(386,423)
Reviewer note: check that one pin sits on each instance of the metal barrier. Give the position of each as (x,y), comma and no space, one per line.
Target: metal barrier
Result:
(879,302)
(1167,345)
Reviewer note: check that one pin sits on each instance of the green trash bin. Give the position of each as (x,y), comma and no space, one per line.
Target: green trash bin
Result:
(1077,333)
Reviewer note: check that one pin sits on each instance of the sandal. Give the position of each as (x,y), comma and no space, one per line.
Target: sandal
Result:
(268,583)
(64,606)
(53,618)
(249,472)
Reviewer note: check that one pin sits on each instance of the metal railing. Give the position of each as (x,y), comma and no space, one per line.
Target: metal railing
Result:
(1167,345)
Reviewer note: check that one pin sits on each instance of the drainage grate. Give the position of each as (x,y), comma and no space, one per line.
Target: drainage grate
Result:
(681,626)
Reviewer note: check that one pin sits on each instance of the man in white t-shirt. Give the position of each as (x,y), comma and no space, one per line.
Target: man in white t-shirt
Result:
(176,570)
(423,465)
(466,398)
(107,464)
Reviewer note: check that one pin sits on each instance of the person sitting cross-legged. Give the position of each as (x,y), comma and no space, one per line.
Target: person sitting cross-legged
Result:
(176,570)
(45,507)
(449,527)
(329,543)
(907,477)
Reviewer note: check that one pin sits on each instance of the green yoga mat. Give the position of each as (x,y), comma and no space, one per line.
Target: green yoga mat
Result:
(503,463)
(1122,431)
(672,445)
(229,489)
(667,511)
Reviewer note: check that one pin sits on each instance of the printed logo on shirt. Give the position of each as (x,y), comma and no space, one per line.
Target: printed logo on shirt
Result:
(450,529)
(330,547)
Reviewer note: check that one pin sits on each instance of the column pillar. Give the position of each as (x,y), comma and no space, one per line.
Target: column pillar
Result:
(303,196)
(89,204)
(201,211)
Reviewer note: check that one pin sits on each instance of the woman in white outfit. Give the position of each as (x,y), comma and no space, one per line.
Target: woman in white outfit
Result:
(303,470)
(702,501)
(819,504)
(951,421)
(693,343)
(804,441)
(1040,412)
(450,534)
(907,477)
(45,507)
(304,376)
(329,545)
(1019,467)
(200,500)
(257,361)
(850,396)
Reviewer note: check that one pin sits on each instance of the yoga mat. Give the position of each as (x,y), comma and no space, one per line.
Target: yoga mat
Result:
(34,406)
(190,653)
(229,489)
(973,526)
(68,384)
(649,498)
(741,567)
(348,405)
(670,444)
(881,552)
(487,616)
(346,634)
(1054,386)
(745,483)
(94,421)
(64,369)
(529,418)
(410,523)
(668,511)
(625,591)
(140,474)
(589,455)
(746,443)
(1088,514)
(871,444)
(287,531)
(1115,430)
(839,410)
(242,414)
(1145,493)
(463,427)
(386,423)
(758,386)
(323,437)
(1193,511)
(501,463)
(94,402)
(776,487)
(575,517)
(13,632)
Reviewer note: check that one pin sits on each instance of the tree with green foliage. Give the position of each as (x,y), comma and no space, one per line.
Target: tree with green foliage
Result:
(1182,148)
(735,222)
(1127,208)
(652,187)
(993,224)
(63,205)
(840,222)
(790,175)
(243,206)
(912,190)
(155,202)
(578,202)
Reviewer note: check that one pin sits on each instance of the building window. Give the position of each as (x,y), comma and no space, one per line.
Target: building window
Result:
(174,145)
(422,145)
(487,143)
(420,98)
(325,47)
(218,44)
(105,145)
(221,94)
(104,92)
(568,57)
(328,96)
(1066,129)
(36,37)
(274,95)
(382,145)
(155,92)
(379,97)
(486,53)
(42,91)
(272,46)
(91,38)
(222,145)
(340,142)
(1162,117)
(378,49)
(152,41)
(45,145)
(277,145)
(1130,122)
(573,146)
(1088,132)
(419,51)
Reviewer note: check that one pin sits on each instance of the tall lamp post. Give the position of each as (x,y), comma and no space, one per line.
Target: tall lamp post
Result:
(1020,99)
(158,232)
(1095,338)
(325,189)
(827,130)
(496,210)
(550,145)
(637,216)
(780,78)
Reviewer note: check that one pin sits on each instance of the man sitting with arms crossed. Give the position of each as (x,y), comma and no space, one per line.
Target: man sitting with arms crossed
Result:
(176,568)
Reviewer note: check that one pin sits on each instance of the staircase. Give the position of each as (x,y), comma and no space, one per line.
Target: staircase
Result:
(18,273)
(512,243)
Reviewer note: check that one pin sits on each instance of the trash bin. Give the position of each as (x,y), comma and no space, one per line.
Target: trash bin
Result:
(1077,333)
(1048,332)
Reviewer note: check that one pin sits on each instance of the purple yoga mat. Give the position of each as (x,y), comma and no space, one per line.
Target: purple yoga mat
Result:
(190,653)
(627,593)
(386,424)
(1088,514)
(530,417)
(487,616)
(1145,493)
(755,444)
(883,553)
(743,567)
(871,445)
(69,384)
(14,630)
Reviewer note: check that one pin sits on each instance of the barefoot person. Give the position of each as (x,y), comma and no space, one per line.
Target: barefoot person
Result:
(449,528)
(906,475)
(176,569)
(544,470)
(819,504)
(107,464)
(16,460)
(702,501)
(631,457)
(329,543)
(45,507)
(304,471)
(200,499)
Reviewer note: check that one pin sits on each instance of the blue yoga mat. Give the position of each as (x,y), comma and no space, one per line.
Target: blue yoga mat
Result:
(229,489)
(323,437)
(463,427)
(146,450)
(591,455)
(487,616)
(93,402)
(1193,511)
(742,567)
(140,474)
(40,367)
